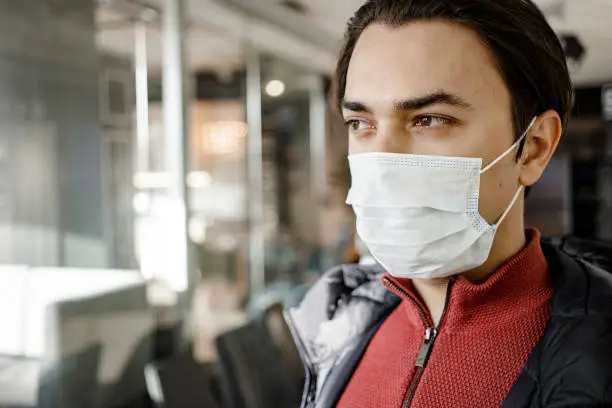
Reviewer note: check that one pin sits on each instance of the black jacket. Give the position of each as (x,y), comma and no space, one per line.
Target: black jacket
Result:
(571,366)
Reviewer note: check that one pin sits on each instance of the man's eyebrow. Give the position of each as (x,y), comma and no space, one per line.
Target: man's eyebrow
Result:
(436,98)
(355,106)
(420,102)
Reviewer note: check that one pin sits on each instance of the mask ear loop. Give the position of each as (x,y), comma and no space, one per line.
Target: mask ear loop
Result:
(511,149)
(505,214)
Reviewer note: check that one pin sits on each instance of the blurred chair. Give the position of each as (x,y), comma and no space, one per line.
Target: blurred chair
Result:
(180,382)
(280,335)
(130,390)
(253,372)
(71,382)
(168,340)
(215,309)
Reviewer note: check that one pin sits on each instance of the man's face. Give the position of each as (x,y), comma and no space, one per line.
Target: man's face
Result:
(432,88)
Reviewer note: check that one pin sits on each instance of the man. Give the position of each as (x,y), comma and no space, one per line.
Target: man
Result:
(454,108)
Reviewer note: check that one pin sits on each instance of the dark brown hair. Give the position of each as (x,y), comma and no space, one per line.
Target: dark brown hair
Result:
(527,52)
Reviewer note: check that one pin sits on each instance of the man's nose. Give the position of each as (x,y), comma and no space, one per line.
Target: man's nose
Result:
(391,139)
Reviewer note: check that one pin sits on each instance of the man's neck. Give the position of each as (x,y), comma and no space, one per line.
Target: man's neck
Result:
(507,244)
(509,240)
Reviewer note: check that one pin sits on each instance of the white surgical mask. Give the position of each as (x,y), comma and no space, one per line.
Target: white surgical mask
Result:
(418,215)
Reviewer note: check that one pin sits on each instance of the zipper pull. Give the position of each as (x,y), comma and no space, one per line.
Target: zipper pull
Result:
(426,346)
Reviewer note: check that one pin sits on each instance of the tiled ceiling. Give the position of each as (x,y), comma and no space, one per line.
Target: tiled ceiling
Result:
(207,47)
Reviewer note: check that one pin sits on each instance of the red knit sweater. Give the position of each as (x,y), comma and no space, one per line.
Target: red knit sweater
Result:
(482,342)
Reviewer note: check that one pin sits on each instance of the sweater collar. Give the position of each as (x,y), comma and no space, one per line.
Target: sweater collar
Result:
(522,279)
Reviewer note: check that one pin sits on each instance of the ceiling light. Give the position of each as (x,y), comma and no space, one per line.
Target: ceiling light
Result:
(275,88)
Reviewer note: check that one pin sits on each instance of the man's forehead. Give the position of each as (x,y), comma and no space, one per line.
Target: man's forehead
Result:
(418,58)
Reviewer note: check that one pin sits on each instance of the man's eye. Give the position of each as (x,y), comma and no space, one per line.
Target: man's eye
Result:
(358,125)
(430,121)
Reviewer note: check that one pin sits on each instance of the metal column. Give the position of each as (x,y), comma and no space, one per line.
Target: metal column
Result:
(176,137)
(318,144)
(142,96)
(256,265)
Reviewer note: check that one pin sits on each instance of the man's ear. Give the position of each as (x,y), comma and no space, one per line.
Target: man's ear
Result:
(540,144)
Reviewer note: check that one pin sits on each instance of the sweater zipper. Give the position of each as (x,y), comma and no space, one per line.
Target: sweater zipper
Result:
(431,333)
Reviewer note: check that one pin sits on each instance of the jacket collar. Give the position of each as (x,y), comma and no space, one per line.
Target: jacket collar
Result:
(580,281)
(346,302)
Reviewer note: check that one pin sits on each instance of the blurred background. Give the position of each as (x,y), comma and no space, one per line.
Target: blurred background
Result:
(173,175)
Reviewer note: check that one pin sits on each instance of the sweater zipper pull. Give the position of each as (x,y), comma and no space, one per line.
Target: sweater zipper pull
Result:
(426,346)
